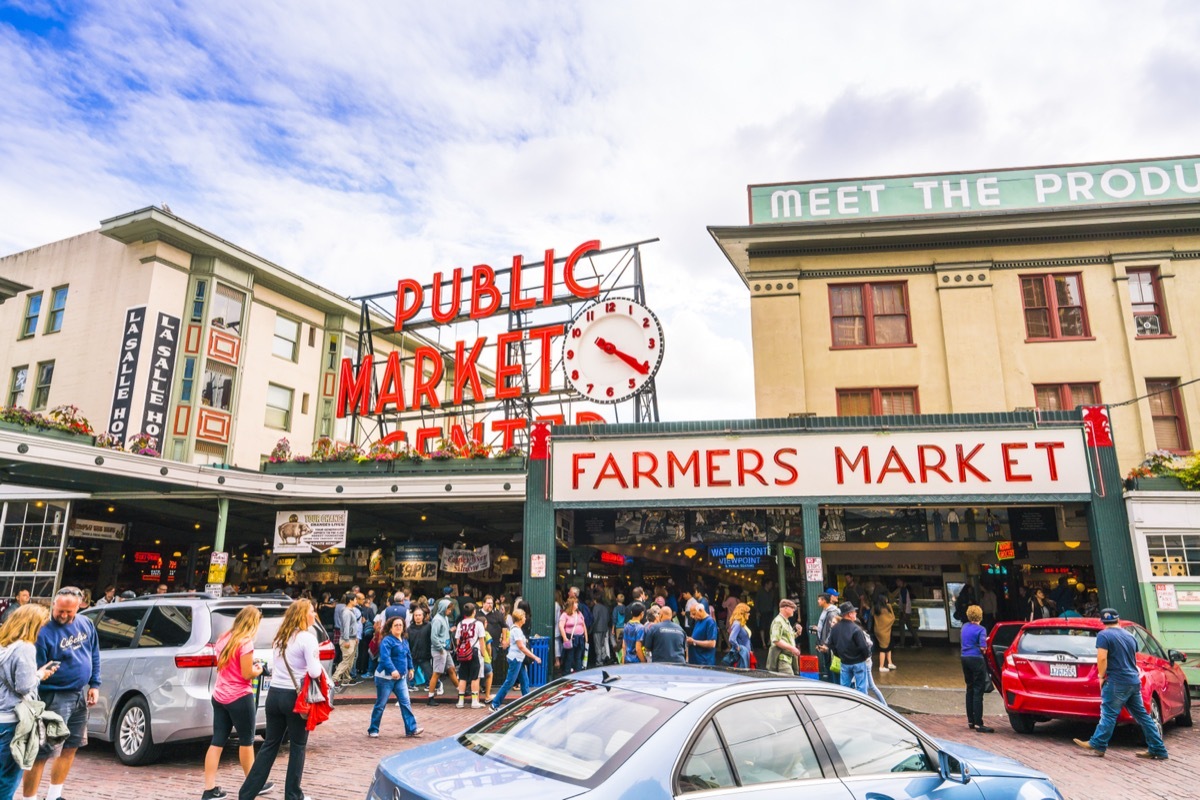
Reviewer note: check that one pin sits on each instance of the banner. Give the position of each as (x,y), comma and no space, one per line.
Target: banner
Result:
(162,373)
(417,562)
(98,529)
(466,560)
(375,564)
(310,531)
(218,565)
(127,363)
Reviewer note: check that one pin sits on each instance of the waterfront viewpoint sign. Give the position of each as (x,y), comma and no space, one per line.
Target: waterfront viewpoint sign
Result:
(782,466)
(1031,189)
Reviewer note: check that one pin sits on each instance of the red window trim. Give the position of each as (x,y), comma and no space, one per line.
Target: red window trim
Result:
(1185,440)
(1160,302)
(877,397)
(1047,279)
(868,301)
(1064,392)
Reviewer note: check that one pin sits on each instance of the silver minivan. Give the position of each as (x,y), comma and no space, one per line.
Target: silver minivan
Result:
(158,667)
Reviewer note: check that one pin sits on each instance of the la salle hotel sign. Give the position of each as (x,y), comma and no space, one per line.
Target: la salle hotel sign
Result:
(761,468)
(1070,186)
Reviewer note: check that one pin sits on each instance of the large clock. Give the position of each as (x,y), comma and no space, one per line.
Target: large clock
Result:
(612,350)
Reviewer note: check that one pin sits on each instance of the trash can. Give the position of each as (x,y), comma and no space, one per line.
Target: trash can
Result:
(540,645)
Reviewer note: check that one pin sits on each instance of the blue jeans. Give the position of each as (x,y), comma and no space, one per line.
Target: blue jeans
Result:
(1114,697)
(856,676)
(10,771)
(516,672)
(384,689)
(572,658)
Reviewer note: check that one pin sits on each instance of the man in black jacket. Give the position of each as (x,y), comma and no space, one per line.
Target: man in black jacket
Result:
(852,645)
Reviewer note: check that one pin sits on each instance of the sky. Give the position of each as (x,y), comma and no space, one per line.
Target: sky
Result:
(358,142)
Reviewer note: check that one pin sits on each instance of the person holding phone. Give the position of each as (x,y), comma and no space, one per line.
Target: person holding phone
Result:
(233,698)
(19,676)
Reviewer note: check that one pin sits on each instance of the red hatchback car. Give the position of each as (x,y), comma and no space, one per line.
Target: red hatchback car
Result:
(1046,669)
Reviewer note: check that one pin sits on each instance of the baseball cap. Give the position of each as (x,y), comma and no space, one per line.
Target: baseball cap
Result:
(448,590)
(847,608)
(1109,616)
(831,592)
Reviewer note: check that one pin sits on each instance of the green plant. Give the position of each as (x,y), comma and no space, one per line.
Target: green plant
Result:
(282,451)
(1189,473)
(68,418)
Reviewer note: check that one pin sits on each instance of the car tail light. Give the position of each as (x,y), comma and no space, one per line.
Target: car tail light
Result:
(325,651)
(207,657)
(1012,662)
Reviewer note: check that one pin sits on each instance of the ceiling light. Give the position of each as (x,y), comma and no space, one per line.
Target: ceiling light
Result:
(1072,545)
(690,552)
(196,526)
(883,545)
(111,509)
(422,518)
(158,541)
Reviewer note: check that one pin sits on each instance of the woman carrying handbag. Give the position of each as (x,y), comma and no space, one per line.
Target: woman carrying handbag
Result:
(294,657)
(19,678)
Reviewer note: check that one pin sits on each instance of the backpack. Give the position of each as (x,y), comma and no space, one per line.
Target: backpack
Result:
(465,649)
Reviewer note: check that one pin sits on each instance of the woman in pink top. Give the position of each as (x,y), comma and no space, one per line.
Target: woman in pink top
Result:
(233,698)
(573,629)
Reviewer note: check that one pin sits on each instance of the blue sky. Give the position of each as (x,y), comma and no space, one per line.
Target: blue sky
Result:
(355,143)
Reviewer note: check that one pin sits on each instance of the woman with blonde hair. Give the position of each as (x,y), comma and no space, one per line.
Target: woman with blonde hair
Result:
(19,676)
(233,698)
(294,655)
(739,634)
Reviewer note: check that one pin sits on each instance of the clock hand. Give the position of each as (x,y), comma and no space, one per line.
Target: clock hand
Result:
(643,368)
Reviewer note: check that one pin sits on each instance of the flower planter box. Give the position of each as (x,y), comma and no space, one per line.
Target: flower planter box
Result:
(49,433)
(459,466)
(1158,483)
(327,468)
(451,466)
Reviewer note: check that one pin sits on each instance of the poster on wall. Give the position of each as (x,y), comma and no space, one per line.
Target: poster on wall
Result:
(466,559)
(416,562)
(310,531)
(97,529)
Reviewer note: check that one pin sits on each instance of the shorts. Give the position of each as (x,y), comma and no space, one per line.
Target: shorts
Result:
(239,714)
(487,668)
(469,670)
(72,706)
(443,662)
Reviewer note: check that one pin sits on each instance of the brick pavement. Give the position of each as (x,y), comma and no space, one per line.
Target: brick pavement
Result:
(342,760)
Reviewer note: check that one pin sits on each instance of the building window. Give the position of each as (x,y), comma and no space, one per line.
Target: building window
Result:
(1166,410)
(41,389)
(287,338)
(226,311)
(1174,555)
(304,403)
(218,386)
(189,379)
(198,301)
(869,314)
(1065,396)
(279,407)
(326,428)
(1054,306)
(1145,295)
(58,307)
(16,386)
(33,310)
(333,353)
(874,402)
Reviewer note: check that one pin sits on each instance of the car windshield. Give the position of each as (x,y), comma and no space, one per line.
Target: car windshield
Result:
(1075,642)
(571,729)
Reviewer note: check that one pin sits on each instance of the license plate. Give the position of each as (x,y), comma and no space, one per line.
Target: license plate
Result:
(1063,671)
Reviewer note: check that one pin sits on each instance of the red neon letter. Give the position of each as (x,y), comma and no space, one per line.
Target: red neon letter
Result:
(928,468)
(744,470)
(864,458)
(422,386)
(465,369)
(544,335)
(573,286)
(894,463)
(576,469)
(504,369)
(587,417)
(548,278)
(1009,462)
(406,311)
(713,469)
(779,462)
(1050,447)
(509,428)
(354,391)
(424,435)
(455,297)
(964,464)
(515,301)
(693,464)
(395,437)
(483,284)
(648,472)
(459,436)
(611,471)
(391,387)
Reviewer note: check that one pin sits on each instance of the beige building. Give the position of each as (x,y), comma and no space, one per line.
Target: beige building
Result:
(1043,288)
(214,350)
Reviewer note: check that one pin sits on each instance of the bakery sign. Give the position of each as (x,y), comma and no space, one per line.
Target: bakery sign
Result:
(764,468)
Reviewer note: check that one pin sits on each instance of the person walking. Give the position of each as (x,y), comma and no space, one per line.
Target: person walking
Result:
(665,641)
(294,654)
(822,630)
(573,630)
(468,643)
(19,676)
(739,634)
(1039,607)
(783,655)
(518,652)
(419,647)
(1120,687)
(391,679)
(849,642)
(233,698)
(441,657)
(633,633)
(904,609)
(975,672)
(884,619)
(349,626)
(71,641)
(366,625)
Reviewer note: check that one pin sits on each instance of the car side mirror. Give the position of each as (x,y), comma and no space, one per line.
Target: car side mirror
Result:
(952,769)
(1176,656)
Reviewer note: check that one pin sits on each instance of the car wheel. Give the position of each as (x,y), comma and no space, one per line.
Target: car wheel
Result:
(1021,723)
(133,740)
(1184,720)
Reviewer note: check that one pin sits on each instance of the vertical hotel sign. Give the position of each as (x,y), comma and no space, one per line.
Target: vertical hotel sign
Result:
(127,363)
(162,374)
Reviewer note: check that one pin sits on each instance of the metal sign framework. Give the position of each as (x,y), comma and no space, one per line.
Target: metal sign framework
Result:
(618,273)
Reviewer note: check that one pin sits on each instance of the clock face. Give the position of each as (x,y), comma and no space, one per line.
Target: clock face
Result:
(612,350)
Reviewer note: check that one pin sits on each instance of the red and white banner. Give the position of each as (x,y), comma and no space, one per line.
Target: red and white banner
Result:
(760,468)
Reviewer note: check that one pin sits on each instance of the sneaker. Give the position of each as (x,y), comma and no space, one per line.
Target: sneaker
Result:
(268,786)
(476,704)
(373,734)
(432,701)
(1086,745)
(1152,756)
(493,707)
(417,732)
(884,669)
(893,667)
(213,793)
(441,690)
(984,729)
(460,703)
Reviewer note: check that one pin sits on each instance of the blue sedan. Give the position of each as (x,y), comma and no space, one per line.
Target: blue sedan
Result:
(653,732)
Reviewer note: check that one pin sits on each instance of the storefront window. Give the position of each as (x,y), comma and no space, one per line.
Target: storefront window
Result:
(31,542)
(1174,555)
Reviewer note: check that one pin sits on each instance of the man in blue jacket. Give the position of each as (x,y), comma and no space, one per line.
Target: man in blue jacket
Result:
(71,641)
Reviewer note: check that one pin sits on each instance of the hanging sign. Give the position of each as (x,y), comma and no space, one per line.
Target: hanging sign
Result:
(98,529)
(310,531)
(127,364)
(736,555)
(162,374)
(1005,551)
(218,563)
(417,562)
(465,559)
